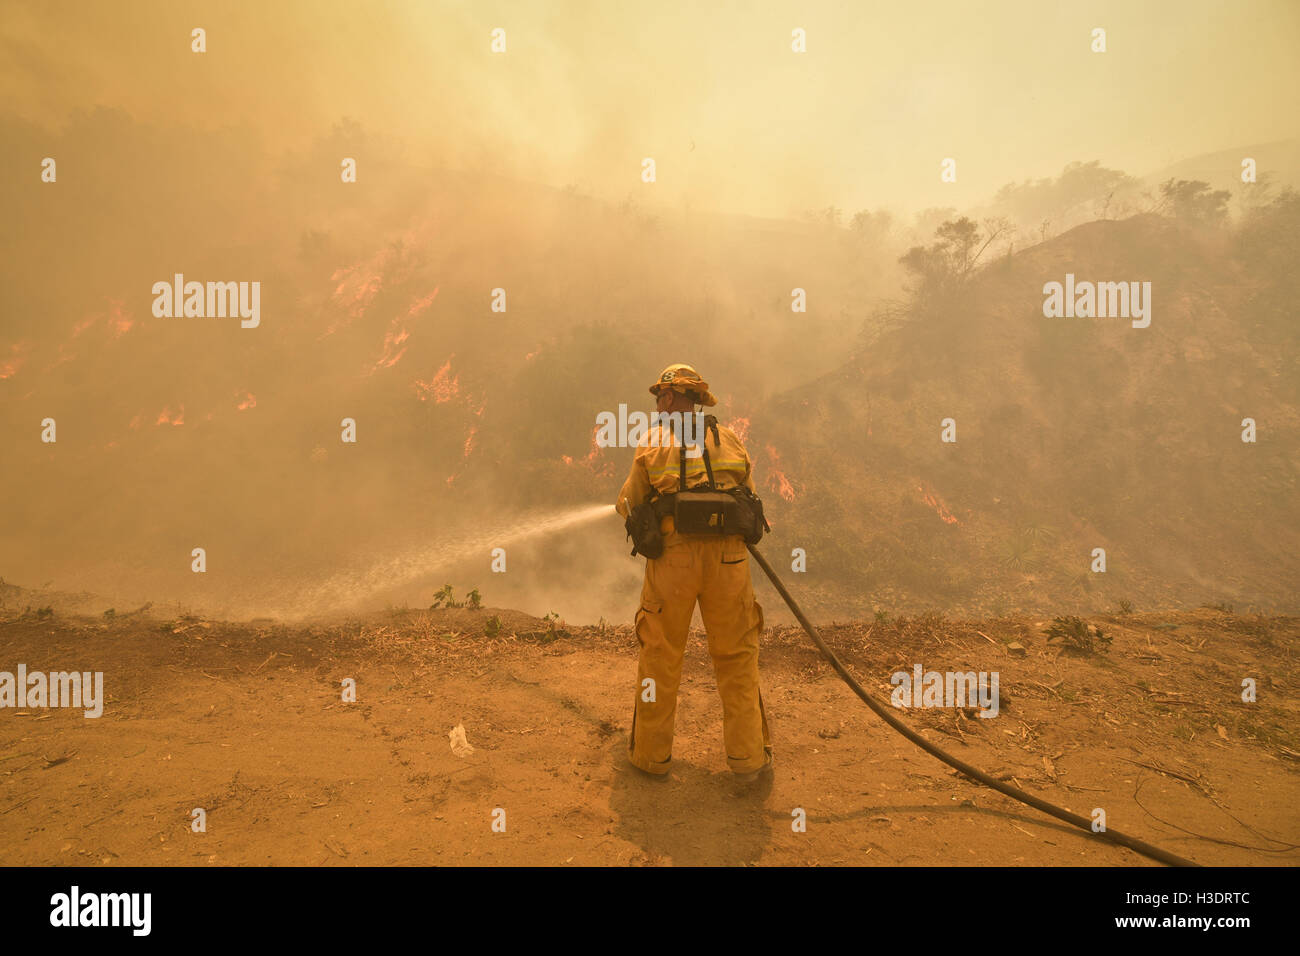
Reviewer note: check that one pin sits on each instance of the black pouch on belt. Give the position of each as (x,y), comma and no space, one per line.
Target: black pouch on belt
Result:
(642,526)
(706,512)
(749,515)
(716,512)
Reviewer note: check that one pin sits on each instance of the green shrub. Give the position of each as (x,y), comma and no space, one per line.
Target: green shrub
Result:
(1076,635)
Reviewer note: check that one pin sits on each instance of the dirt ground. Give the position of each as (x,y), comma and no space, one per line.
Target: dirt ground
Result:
(246,721)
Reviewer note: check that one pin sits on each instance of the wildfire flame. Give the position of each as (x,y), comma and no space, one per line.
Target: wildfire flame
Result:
(595,448)
(248,401)
(357,287)
(741,427)
(590,459)
(396,335)
(776,478)
(443,387)
(392,339)
(117,319)
(469,439)
(931,499)
(422,303)
(17,356)
(166,416)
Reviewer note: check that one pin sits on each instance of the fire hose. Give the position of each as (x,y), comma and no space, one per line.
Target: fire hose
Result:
(1015,793)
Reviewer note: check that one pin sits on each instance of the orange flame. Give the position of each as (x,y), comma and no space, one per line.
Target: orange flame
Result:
(595,448)
(422,303)
(17,356)
(931,499)
(443,387)
(392,339)
(469,440)
(165,417)
(397,333)
(249,401)
(741,427)
(590,459)
(356,289)
(776,478)
(118,319)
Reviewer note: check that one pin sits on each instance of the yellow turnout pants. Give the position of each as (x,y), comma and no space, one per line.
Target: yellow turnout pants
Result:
(715,572)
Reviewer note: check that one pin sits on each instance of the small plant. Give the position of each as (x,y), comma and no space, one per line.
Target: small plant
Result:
(1037,532)
(43,612)
(552,632)
(1076,635)
(110,614)
(444,598)
(475,600)
(1019,554)
(493,626)
(882,617)
(1126,607)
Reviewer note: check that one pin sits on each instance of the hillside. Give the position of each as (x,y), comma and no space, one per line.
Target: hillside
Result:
(377,307)
(1072,434)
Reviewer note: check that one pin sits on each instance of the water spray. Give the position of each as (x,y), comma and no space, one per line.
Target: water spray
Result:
(347,588)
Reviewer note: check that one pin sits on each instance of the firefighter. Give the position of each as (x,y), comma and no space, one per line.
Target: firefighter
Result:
(712,570)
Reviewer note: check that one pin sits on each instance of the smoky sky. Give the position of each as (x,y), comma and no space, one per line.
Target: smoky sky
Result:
(733,118)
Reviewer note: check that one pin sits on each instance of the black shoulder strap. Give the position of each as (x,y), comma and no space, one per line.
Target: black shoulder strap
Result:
(708,466)
(710,424)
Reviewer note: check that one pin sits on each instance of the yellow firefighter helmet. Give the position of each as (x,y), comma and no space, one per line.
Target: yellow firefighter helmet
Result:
(684,379)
